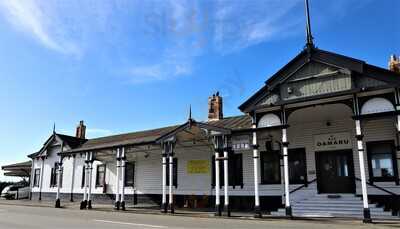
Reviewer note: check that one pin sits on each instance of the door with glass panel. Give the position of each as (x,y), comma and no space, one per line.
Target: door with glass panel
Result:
(335,172)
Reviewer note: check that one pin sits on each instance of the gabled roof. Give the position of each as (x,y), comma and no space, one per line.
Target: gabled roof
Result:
(69,141)
(151,136)
(356,66)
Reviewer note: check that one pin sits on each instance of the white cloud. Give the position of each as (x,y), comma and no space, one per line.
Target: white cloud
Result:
(240,24)
(31,17)
(156,72)
(167,35)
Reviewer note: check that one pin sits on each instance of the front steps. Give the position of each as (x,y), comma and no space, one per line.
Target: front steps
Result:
(342,205)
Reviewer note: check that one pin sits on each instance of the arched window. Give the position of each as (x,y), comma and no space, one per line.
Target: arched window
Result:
(376,105)
(269,120)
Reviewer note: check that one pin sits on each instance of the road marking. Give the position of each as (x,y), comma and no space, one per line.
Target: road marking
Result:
(132,224)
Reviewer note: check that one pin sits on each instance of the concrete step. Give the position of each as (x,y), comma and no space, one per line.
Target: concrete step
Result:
(323,202)
(336,205)
(330,208)
(342,205)
(336,212)
(341,215)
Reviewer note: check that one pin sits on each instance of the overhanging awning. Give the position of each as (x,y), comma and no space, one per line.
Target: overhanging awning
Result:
(22,169)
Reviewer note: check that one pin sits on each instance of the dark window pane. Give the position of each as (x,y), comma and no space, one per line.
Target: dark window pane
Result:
(130,174)
(270,167)
(297,166)
(36,179)
(100,175)
(83,176)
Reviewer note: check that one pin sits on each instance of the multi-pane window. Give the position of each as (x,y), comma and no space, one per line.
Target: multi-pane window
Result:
(36,178)
(130,174)
(100,175)
(270,167)
(53,176)
(174,172)
(235,170)
(381,158)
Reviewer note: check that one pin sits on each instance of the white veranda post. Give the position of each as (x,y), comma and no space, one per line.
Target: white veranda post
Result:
(360,148)
(85,181)
(226,178)
(41,178)
(59,177)
(218,210)
(171,178)
(257,208)
(123,166)
(117,189)
(285,145)
(164,179)
(90,163)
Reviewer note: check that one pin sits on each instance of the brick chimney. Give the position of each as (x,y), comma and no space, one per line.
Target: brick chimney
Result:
(215,107)
(81,130)
(394,63)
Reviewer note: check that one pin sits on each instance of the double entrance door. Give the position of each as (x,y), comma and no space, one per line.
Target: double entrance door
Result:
(335,171)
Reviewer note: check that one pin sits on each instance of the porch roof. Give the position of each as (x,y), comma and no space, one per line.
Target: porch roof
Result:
(235,123)
(18,169)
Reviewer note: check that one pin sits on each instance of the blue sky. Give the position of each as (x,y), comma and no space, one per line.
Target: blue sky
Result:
(130,65)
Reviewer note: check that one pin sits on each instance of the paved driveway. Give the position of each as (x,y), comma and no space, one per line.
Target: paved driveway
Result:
(26,217)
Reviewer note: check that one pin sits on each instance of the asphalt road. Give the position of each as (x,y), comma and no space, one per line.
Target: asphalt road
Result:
(22,217)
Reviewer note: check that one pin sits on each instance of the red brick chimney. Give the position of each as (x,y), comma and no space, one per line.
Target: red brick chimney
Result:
(394,63)
(215,107)
(81,130)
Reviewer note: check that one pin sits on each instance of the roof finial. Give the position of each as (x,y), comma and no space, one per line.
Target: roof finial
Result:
(54,127)
(190,112)
(310,43)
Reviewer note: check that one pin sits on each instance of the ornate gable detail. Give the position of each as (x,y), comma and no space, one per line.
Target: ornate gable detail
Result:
(315,79)
(269,100)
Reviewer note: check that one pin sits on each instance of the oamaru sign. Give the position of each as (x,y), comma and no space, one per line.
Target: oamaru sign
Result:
(333,141)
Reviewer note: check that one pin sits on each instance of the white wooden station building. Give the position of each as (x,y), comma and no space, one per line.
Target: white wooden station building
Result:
(320,137)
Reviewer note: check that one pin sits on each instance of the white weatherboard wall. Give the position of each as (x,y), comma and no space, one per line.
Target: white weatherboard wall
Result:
(148,169)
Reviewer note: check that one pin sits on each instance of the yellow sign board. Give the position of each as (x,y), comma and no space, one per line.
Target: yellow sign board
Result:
(198,167)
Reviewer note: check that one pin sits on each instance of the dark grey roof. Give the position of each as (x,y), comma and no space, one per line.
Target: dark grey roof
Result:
(234,123)
(150,136)
(26,164)
(134,138)
(73,142)
(21,169)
